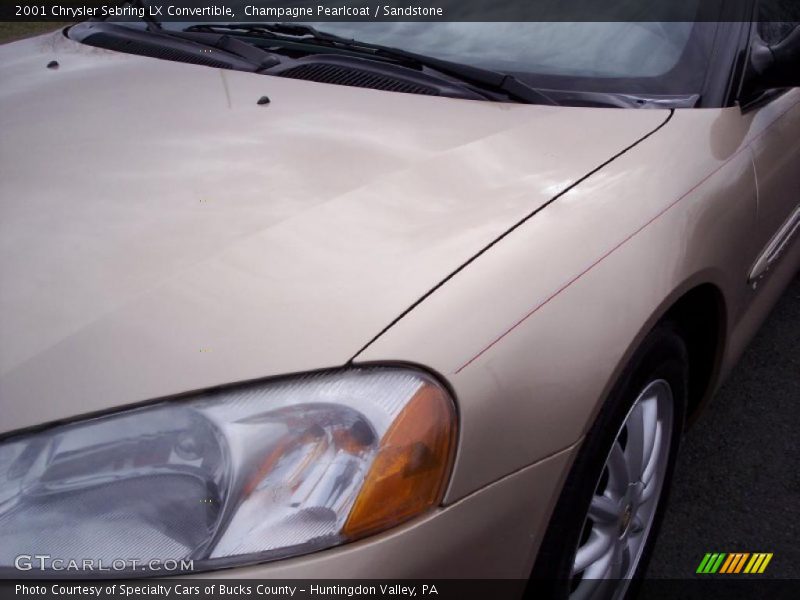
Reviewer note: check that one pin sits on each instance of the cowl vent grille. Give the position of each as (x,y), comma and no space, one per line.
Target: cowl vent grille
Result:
(338,75)
(114,42)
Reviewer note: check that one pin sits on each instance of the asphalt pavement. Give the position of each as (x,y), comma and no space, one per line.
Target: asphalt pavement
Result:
(737,482)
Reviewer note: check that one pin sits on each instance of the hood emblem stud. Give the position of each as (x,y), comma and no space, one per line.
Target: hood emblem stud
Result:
(263,100)
(53,64)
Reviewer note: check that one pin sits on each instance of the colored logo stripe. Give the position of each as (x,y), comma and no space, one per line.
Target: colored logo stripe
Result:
(758,563)
(734,563)
(732,558)
(711,562)
(720,562)
(703,563)
(738,567)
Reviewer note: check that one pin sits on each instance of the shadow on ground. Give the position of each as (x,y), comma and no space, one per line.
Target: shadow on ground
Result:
(737,485)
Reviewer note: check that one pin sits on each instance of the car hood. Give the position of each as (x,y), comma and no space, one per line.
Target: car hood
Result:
(164,232)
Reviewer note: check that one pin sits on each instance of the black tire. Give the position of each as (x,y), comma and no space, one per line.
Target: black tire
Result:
(662,355)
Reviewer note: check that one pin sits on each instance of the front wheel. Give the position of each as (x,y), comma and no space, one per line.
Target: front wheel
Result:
(605,523)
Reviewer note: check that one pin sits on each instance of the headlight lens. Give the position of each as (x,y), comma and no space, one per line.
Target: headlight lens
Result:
(232,476)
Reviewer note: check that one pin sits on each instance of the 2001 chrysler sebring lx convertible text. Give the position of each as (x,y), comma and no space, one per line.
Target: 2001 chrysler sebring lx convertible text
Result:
(258,320)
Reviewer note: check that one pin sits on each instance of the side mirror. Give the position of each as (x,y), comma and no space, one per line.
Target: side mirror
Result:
(778,65)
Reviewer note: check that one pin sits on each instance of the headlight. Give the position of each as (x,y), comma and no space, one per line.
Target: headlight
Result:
(234,476)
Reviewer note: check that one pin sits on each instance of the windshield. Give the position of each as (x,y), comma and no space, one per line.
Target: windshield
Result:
(639,58)
(597,50)
(618,57)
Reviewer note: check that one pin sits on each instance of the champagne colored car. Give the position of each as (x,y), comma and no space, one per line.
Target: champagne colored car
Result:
(396,300)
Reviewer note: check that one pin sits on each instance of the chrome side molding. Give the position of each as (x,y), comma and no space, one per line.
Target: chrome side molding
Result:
(772,253)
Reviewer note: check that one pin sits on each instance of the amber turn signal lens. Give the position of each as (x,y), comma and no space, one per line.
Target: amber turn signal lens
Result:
(410,471)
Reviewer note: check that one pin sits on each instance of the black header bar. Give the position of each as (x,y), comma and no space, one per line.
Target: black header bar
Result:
(241,11)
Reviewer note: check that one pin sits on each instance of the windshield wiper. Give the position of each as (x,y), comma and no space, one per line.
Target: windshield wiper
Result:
(622,100)
(252,53)
(274,31)
(219,49)
(493,81)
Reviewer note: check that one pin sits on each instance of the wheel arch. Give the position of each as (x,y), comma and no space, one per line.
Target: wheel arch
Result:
(699,310)
(700,315)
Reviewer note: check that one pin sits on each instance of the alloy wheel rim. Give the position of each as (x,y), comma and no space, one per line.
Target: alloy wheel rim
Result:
(622,510)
